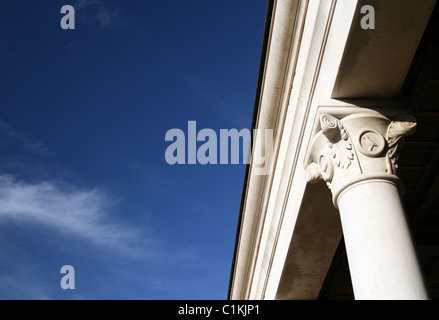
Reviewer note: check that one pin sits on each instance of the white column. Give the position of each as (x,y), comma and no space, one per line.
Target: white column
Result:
(382,260)
(357,156)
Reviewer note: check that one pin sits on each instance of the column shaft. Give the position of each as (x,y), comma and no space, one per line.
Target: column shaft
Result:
(380,250)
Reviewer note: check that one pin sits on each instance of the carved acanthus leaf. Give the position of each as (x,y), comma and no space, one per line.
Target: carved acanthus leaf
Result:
(399,128)
(338,141)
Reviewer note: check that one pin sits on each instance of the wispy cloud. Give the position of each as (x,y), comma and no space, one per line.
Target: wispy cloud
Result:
(107,16)
(32,145)
(22,279)
(230,108)
(89,221)
(71,211)
(122,250)
(232,111)
(81,4)
(97,11)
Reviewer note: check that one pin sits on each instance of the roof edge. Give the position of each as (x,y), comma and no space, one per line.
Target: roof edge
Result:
(262,61)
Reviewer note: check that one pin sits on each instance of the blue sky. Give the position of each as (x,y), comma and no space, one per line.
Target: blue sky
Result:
(83,118)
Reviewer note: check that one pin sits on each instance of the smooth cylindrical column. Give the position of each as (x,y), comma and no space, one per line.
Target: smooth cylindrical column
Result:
(381,255)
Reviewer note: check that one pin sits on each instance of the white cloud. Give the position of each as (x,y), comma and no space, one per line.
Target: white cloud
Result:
(32,145)
(76,214)
(71,211)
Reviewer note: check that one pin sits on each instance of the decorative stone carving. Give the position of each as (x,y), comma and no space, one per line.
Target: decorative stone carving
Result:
(338,141)
(400,127)
(371,143)
(358,147)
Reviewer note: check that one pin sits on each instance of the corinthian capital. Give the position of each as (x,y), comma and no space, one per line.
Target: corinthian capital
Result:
(358,147)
